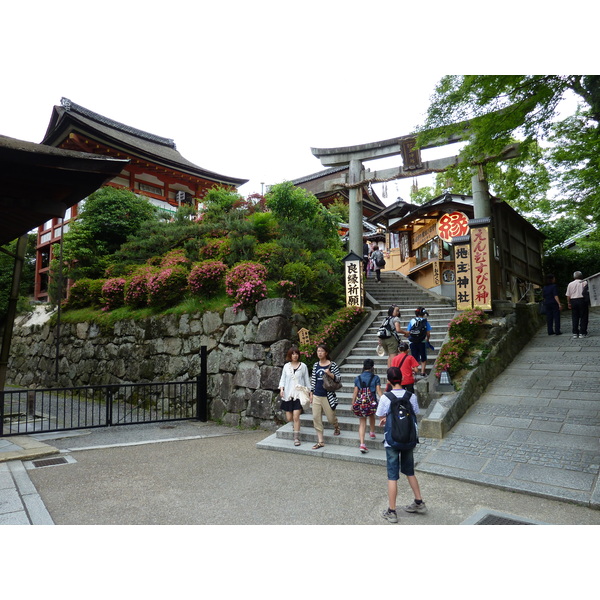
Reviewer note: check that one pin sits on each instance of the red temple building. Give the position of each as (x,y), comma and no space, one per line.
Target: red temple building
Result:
(155,169)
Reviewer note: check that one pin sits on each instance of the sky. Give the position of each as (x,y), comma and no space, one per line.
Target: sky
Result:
(246,89)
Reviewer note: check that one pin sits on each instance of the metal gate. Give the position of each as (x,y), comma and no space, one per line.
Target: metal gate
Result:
(61,409)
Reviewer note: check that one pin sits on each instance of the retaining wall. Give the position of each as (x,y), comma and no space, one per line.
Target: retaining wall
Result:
(246,353)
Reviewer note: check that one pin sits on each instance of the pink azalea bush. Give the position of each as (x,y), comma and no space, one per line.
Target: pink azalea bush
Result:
(113,293)
(246,284)
(463,330)
(214,249)
(166,288)
(207,277)
(332,331)
(136,291)
(175,258)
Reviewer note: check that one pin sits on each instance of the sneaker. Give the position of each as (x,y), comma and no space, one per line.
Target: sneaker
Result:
(416,508)
(390,515)
(372,436)
(363,449)
(575,336)
(583,335)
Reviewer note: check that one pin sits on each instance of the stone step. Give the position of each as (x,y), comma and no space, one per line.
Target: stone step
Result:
(393,290)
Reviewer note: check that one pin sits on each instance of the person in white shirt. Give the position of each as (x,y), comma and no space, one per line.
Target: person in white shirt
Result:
(399,461)
(578,304)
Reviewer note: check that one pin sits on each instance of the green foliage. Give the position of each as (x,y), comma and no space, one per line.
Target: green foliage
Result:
(85,293)
(331,332)
(156,238)
(107,218)
(562,263)
(340,209)
(264,226)
(463,331)
(502,108)
(7,264)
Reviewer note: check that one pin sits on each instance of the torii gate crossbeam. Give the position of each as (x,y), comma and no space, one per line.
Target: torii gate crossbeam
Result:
(413,166)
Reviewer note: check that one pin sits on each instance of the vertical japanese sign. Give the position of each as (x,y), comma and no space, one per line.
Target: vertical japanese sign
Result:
(354,282)
(480,265)
(463,280)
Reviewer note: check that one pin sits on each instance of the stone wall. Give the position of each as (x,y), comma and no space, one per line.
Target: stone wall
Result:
(246,352)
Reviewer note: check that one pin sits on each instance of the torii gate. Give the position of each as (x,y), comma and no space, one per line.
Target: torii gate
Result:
(413,166)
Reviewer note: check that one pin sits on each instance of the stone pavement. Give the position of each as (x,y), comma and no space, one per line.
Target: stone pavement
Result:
(535,430)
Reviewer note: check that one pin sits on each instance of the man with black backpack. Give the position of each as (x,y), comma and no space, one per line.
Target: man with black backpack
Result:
(419,330)
(398,411)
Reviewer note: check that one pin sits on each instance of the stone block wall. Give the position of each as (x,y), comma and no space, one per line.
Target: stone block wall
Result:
(246,352)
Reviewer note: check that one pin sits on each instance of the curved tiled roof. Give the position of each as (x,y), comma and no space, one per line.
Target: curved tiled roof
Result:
(70,117)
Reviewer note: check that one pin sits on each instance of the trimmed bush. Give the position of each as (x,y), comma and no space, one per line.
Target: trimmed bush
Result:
(167,287)
(84,293)
(113,293)
(207,278)
(136,290)
(246,283)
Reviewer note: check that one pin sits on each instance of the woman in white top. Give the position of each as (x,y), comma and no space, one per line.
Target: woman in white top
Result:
(294,373)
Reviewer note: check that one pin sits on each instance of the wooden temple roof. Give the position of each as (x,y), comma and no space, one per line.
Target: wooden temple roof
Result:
(38,183)
(70,119)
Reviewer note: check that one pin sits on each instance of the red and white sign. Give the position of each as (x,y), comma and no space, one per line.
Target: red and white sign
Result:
(451,225)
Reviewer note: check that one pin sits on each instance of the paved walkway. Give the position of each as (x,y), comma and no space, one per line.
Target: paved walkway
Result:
(536,430)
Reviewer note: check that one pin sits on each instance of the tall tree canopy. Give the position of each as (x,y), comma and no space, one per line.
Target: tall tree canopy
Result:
(501,109)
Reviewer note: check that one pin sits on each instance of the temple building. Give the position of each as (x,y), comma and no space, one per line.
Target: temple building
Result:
(422,244)
(155,169)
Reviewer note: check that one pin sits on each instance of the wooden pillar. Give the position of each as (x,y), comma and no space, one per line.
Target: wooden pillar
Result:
(355,209)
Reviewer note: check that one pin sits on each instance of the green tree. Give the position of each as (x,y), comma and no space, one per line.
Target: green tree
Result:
(7,263)
(107,218)
(491,111)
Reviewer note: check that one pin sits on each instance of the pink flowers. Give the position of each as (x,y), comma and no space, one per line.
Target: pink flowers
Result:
(166,288)
(206,278)
(246,283)
(113,293)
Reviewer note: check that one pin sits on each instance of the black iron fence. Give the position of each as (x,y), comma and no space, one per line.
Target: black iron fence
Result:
(61,409)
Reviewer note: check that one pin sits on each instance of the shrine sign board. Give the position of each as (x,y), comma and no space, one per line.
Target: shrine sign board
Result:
(353,271)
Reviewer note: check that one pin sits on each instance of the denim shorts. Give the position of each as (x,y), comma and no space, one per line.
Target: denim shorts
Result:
(399,461)
(419,351)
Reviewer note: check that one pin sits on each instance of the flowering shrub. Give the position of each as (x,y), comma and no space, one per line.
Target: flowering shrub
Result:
(463,331)
(286,289)
(333,331)
(206,278)
(213,249)
(113,293)
(249,293)
(467,324)
(136,290)
(175,258)
(451,356)
(167,287)
(245,282)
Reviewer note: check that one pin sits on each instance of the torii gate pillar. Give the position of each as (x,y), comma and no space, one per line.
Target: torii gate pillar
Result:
(355,208)
(481,195)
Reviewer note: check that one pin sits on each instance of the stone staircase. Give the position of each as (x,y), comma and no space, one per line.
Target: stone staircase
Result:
(393,289)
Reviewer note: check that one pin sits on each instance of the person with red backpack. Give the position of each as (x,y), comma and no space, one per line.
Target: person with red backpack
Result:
(367,388)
